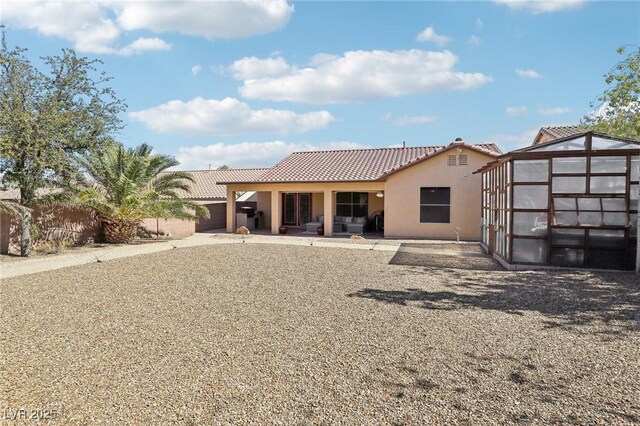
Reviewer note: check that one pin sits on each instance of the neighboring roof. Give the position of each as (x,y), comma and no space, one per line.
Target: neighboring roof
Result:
(13,194)
(356,164)
(559,141)
(549,133)
(10,194)
(611,144)
(206,184)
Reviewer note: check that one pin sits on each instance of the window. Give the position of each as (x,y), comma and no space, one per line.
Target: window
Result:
(592,211)
(435,205)
(463,160)
(452,160)
(352,204)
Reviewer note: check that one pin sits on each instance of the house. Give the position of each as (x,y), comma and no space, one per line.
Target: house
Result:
(550,133)
(412,192)
(570,201)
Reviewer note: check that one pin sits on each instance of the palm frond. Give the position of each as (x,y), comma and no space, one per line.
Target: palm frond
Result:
(133,186)
(12,208)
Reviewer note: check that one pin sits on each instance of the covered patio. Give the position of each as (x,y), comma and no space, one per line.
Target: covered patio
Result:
(352,206)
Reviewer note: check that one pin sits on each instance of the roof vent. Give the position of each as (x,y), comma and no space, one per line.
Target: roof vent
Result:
(458,141)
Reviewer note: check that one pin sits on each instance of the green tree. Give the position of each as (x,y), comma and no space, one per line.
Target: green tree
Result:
(46,119)
(129,185)
(619,113)
(223,167)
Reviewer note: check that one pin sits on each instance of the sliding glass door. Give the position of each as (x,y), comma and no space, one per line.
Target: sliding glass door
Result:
(296,208)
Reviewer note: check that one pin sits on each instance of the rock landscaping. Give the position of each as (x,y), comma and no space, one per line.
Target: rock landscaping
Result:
(280,334)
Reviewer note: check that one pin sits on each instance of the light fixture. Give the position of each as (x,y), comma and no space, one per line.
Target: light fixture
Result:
(379,194)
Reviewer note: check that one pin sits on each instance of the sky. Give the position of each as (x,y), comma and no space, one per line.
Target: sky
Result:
(245,83)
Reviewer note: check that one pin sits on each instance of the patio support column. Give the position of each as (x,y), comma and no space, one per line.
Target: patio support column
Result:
(276,210)
(328,212)
(231,210)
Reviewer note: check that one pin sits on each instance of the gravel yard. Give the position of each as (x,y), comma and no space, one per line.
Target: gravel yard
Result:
(262,334)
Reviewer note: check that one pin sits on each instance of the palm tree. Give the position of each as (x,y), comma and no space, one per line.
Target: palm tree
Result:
(12,208)
(130,185)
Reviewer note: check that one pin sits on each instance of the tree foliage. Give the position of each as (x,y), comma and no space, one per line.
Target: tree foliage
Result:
(129,185)
(619,111)
(47,118)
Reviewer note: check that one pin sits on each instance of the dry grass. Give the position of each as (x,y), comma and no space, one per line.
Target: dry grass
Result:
(261,334)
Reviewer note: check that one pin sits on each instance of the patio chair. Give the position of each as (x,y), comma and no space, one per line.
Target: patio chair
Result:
(357,225)
(311,227)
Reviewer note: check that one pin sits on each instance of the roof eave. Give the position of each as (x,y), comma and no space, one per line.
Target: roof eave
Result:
(379,179)
(438,152)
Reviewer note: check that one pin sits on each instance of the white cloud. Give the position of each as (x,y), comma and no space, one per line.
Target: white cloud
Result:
(143,45)
(249,154)
(542,6)
(195,70)
(515,111)
(474,39)
(84,23)
(226,117)
(554,111)
(404,120)
(531,74)
(479,24)
(252,67)
(210,19)
(97,26)
(359,75)
(429,34)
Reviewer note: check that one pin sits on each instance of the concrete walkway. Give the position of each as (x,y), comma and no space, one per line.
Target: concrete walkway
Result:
(49,263)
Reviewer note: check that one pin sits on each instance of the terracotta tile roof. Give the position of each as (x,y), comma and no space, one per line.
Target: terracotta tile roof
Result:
(206,182)
(355,164)
(556,132)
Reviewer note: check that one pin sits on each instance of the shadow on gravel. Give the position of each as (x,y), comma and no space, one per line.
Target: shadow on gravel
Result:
(568,298)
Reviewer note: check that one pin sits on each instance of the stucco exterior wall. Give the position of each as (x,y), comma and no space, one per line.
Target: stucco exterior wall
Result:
(55,224)
(175,227)
(317,204)
(217,216)
(264,205)
(402,198)
(375,203)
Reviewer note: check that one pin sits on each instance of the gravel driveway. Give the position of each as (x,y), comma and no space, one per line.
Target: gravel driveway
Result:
(264,334)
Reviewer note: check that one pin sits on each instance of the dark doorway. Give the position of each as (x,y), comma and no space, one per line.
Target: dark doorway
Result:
(296,208)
